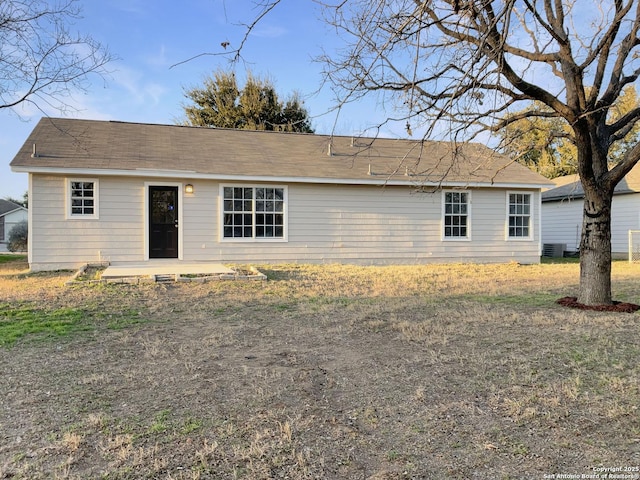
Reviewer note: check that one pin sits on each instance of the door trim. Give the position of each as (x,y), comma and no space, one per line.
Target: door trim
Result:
(146,217)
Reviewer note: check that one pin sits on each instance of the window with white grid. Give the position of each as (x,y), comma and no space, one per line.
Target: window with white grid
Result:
(456,215)
(256,213)
(82,198)
(519,225)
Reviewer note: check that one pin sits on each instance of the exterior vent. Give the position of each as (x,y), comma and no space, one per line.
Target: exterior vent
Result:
(553,249)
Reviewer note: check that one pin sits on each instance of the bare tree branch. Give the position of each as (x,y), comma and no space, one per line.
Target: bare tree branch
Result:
(618,79)
(461,69)
(265,7)
(40,60)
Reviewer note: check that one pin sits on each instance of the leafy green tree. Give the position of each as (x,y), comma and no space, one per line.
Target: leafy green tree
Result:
(545,143)
(539,143)
(220,102)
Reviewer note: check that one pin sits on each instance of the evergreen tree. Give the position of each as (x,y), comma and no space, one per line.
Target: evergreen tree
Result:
(220,102)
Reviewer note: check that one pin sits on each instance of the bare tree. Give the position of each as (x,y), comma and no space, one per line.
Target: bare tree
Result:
(41,62)
(466,67)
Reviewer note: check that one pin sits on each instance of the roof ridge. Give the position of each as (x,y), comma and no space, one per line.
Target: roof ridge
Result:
(272,132)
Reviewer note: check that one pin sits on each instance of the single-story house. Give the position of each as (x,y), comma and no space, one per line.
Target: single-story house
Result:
(11,214)
(130,193)
(562,210)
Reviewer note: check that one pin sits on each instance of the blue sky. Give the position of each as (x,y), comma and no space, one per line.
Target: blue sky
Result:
(149,36)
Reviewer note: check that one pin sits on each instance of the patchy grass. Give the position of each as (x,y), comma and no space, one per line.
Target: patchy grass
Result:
(436,372)
(17,322)
(11,264)
(12,258)
(24,322)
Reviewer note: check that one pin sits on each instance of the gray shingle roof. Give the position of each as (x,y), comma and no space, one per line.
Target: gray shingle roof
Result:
(192,152)
(573,190)
(6,206)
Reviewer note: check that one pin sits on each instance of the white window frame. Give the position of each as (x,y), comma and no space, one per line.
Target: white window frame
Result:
(96,195)
(508,216)
(446,238)
(253,238)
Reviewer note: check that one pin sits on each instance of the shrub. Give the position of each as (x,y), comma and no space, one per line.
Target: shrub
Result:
(18,237)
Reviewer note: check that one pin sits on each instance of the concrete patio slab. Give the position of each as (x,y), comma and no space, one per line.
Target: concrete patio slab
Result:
(152,269)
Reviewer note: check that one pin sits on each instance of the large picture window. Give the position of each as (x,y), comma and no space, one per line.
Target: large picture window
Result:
(456,215)
(253,212)
(82,198)
(519,215)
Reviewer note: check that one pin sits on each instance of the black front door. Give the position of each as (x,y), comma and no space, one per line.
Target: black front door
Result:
(163,222)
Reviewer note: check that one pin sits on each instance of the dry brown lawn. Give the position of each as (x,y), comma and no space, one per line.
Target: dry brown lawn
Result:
(321,372)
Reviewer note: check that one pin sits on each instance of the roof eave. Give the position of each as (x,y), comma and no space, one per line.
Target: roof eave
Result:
(193,175)
(580,196)
(563,198)
(12,211)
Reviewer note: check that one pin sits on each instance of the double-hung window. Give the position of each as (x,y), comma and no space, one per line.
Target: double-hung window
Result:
(253,213)
(456,215)
(519,215)
(82,198)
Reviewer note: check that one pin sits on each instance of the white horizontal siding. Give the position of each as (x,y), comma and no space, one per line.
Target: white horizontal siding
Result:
(364,224)
(200,222)
(117,235)
(625,216)
(16,216)
(326,223)
(562,222)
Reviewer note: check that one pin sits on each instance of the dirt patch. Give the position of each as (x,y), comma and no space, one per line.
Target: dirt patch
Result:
(620,307)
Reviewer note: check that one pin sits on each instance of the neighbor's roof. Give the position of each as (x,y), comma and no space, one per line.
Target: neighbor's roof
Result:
(573,190)
(7,207)
(77,147)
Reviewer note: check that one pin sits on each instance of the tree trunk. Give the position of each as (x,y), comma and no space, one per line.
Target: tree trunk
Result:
(595,249)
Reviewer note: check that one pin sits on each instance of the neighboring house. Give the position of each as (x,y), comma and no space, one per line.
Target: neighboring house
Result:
(133,193)
(562,209)
(11,214)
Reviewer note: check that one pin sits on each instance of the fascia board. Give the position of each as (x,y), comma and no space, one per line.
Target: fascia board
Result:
(190,174)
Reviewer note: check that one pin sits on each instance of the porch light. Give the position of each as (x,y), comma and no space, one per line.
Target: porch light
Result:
(188,188)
